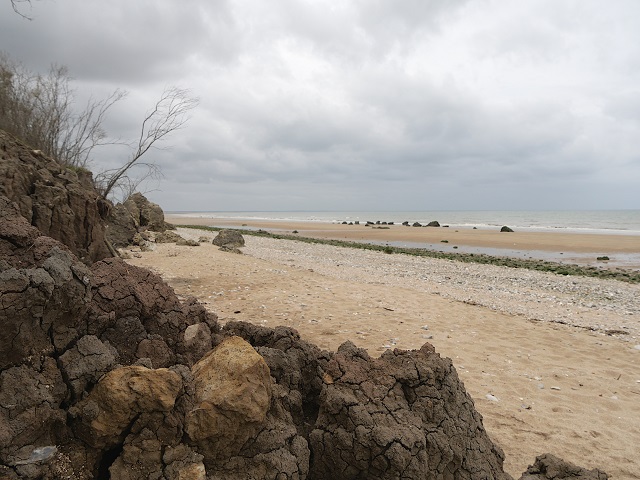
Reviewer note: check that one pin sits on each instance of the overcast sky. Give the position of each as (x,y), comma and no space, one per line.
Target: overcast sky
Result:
(364,104)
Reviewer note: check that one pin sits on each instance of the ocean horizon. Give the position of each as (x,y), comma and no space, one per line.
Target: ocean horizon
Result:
(612,222)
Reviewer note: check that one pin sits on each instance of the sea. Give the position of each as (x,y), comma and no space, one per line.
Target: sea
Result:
(611,222)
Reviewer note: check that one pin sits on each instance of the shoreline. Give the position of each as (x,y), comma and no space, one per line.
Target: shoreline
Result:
(562,247)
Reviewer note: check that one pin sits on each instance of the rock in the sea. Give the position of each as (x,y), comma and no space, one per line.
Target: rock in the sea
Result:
(550,467)
(229,238)
(434,223)
(506,229)
(416,224)
(61,203)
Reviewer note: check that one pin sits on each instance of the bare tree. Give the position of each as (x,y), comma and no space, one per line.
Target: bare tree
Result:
(169,114)
(40,110)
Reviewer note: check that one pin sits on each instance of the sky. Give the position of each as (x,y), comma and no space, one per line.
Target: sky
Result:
(362,105)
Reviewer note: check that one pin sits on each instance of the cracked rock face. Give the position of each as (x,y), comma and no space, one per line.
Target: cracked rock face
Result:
(404,415)
(54,199)
(44,290)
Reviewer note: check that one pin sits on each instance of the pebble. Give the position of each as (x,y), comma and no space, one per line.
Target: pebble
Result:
(492,398)
(534,295)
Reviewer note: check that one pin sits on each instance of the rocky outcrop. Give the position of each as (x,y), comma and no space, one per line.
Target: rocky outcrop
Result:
(137,214)
(146,214)
(399,416)
(506,229)
(58,201)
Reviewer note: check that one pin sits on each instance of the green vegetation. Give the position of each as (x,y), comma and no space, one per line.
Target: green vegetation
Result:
(630,276)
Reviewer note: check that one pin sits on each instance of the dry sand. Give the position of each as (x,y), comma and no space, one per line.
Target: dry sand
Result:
(540,386)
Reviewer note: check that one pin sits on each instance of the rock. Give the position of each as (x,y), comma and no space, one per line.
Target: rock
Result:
(148,215)
(45,290)
(232,396)
(122,227)
(86,362)
(131,304)
(549,467)
(434,223)
(102,417)
(31,415)
(188,243)
(229,238)
(416,224)
(506,229)
(404,415)
(59,202)
(168,237)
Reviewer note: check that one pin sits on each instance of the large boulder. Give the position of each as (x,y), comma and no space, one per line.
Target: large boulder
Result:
(146,214)
(404,415)
(229,238)
(232,396)
(60,202)
(103,416)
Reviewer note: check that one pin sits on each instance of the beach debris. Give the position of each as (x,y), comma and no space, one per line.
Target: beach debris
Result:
(491,398)
(506,229)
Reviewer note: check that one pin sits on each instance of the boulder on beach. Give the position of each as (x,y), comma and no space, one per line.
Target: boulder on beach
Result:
(229,238)
(433,223)
(506,229)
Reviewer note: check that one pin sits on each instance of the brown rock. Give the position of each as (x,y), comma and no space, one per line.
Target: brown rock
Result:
(232,396)
(146,213)
(44,289)
(54,199)
(550,467)
(404,415)
(121,395)
(231,239)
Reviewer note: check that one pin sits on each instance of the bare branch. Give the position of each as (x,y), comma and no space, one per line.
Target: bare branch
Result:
(169,114)
(14,5)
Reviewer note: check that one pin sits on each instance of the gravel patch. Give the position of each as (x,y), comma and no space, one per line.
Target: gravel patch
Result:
(610,307)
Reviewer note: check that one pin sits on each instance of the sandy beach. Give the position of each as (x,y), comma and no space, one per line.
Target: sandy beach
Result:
(552,362)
